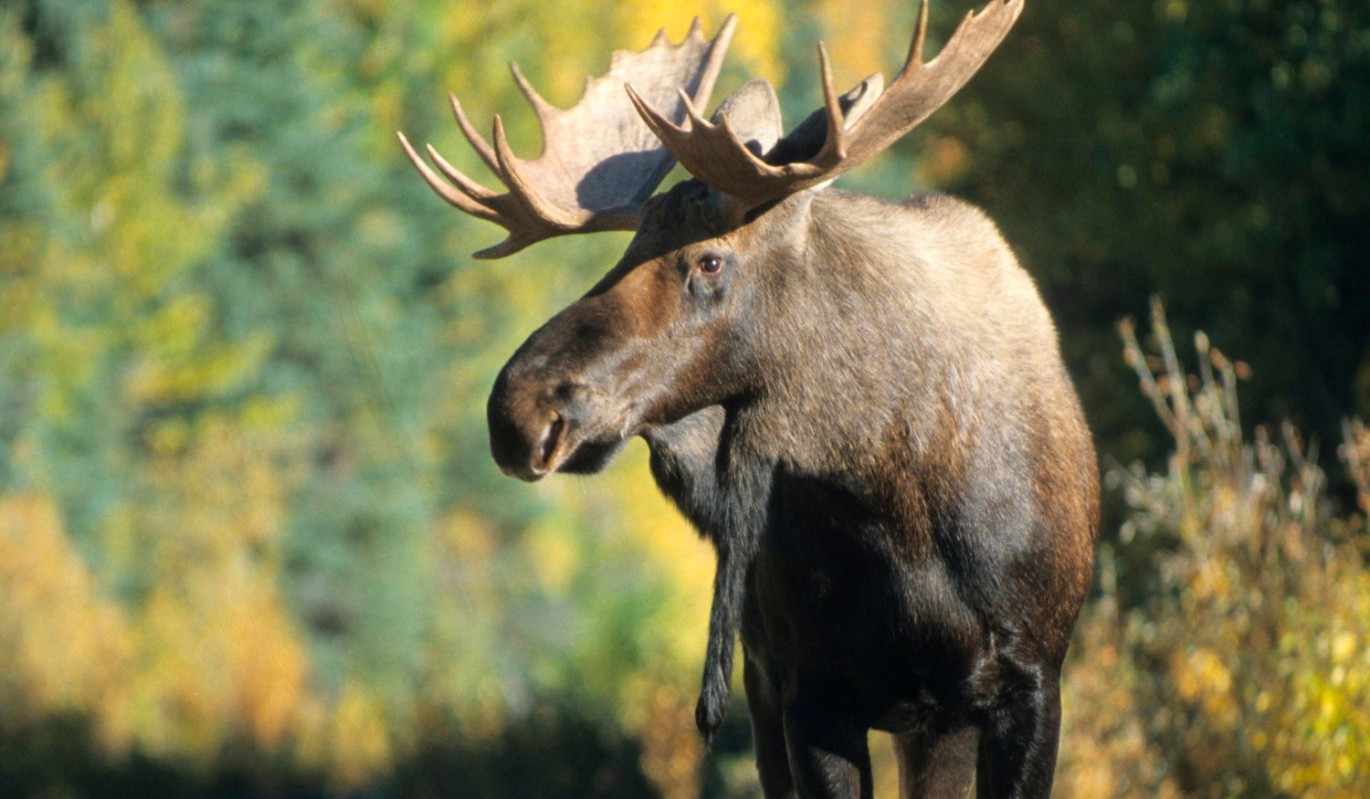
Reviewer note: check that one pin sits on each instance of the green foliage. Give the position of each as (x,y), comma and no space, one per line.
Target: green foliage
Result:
(242,420)
(1209,152)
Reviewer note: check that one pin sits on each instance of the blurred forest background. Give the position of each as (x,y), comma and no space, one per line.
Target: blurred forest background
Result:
(252,542)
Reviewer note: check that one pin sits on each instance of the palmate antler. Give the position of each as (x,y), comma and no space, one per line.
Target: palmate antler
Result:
(599,163)
(716,155)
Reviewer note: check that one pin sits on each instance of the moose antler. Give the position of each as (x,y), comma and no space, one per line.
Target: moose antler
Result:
(599,164)
(715,154)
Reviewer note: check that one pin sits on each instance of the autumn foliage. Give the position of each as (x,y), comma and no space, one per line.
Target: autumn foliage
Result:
(250,534)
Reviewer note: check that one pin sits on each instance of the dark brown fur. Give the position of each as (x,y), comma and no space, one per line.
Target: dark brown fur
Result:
(866,412)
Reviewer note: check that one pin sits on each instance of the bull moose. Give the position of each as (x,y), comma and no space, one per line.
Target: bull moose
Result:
(861,404)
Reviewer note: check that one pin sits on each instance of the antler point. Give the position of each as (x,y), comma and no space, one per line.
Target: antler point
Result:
(691,111)
(502,149)
(494,251)
(920,34)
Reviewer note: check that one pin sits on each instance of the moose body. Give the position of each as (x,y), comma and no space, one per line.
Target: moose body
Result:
(862,405)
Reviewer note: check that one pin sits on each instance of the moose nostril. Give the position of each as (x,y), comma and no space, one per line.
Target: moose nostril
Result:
(550,438)
(569,391)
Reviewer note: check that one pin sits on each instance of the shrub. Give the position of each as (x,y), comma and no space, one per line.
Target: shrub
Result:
(1236,662)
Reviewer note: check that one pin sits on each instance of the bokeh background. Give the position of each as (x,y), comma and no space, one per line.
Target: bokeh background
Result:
(252,543)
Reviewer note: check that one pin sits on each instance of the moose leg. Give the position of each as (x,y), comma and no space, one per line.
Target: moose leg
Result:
(1018,744)
(768,732)
(936,766)
(828,755)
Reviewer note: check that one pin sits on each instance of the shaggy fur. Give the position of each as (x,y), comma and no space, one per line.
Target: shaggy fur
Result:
(865,411)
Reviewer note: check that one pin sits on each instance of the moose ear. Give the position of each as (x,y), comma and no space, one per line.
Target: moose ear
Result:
(804,142)
(753,113)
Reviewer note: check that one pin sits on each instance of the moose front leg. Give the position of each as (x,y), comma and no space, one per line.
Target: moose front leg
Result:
(829,758)
(768,730)
(937,765)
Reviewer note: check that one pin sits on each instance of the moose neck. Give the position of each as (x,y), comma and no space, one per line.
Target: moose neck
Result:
(845,278)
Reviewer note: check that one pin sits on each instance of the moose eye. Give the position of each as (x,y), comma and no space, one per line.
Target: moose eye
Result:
(710,265)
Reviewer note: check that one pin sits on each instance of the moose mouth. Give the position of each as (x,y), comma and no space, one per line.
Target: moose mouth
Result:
(565,446)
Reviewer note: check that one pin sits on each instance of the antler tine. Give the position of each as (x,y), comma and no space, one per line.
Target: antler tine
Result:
(834,140)
(691,112)
(712,153)
(718,159)
(477,141)
(522,189)
(468,186)
(920,35)
(598,165)
(444,190)
(656,121)
(543,109)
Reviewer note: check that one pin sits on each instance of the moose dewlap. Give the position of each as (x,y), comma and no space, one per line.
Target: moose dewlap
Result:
(860,403)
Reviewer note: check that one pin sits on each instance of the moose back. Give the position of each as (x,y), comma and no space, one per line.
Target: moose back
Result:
(860,403)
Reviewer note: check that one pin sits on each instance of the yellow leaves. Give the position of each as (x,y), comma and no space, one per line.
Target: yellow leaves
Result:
(552,555)
(219,659)
(1211,582)
(176,690)
(64,647)
(179,363)
(140,108)
(659,535)
(852,35)
(1104,746)
(671,747)
(1201,678)
(361,745)
(562,43)
(210,673)
(755,48)
(226,493)
(658,704)
(1260,616)
(350,740)
(1344,645)
(468,537)
(944,159)
(269,668)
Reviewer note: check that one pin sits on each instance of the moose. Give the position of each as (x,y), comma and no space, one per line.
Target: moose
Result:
(861,404)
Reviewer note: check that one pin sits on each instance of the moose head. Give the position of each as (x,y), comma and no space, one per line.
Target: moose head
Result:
(679,323)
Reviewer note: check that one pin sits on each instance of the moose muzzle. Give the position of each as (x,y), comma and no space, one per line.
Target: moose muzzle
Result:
(533,423)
